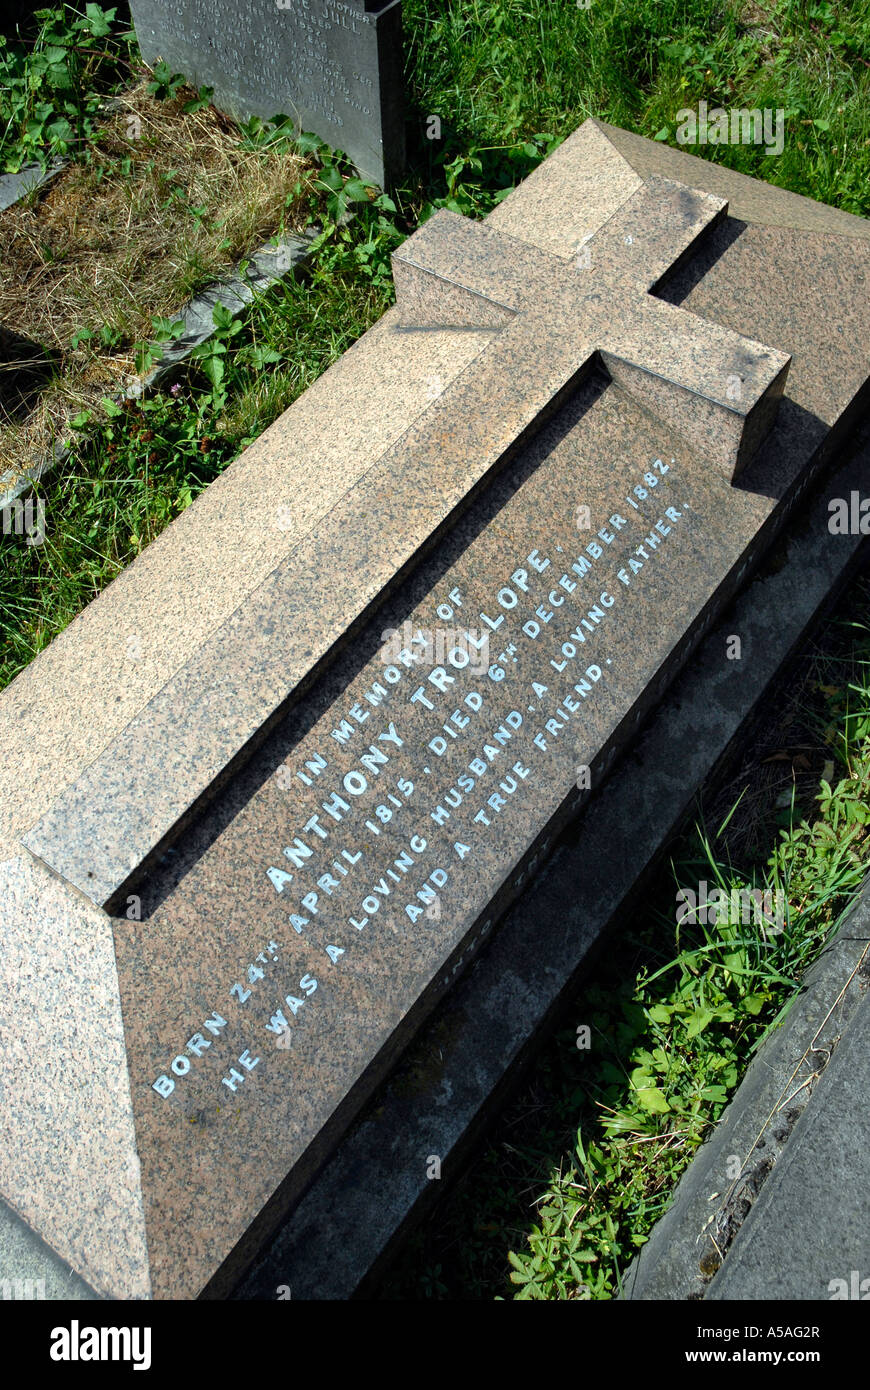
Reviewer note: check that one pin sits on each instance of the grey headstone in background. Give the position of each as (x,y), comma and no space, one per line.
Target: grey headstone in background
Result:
(14,187)
(335,66)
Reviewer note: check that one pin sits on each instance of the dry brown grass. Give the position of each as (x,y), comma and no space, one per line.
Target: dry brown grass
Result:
(131,235)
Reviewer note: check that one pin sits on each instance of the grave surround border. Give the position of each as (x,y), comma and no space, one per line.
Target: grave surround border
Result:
(235,293)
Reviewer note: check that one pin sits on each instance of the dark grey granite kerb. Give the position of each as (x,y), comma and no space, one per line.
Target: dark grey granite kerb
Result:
(781,1094)
(807,1234)
(454,1076)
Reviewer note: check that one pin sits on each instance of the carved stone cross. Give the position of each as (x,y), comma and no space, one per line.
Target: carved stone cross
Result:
(557,316)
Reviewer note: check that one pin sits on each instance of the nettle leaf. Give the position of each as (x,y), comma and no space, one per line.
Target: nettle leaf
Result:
(59,129)
(165,328)
(308,143)
(99,20)
(262,356)
(214,369)
(221,316)
(331,178)
(336,205)
(355,191)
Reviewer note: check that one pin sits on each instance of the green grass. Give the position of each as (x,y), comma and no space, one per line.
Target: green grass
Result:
(499,74)
(132,474)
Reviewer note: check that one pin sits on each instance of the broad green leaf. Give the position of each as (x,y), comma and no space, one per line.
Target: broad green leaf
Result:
(653,1100)
(355,191)
(99,20)
(699,1021)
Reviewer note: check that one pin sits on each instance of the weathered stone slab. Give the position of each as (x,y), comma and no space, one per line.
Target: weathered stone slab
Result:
(335,66)
(232,1110)
(14,187)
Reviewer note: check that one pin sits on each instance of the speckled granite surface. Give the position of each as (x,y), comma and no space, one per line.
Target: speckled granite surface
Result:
(719,390)
(68,1154)
(217,953)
